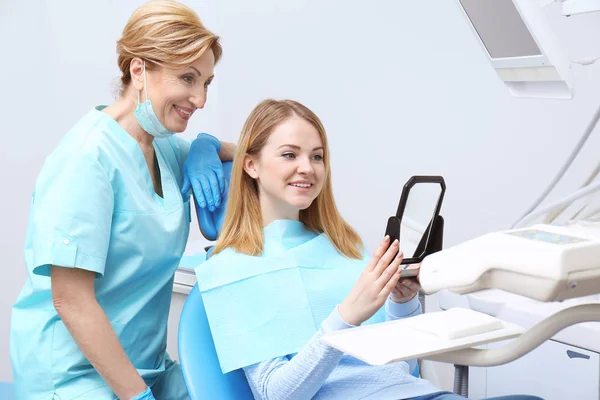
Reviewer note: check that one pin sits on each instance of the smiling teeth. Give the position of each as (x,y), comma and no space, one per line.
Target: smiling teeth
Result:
(302,185)
(183,111)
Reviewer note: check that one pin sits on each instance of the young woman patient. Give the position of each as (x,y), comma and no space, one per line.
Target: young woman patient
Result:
(287,269)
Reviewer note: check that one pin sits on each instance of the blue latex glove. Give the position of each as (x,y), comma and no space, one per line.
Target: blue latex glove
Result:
(203,172)
(147,395)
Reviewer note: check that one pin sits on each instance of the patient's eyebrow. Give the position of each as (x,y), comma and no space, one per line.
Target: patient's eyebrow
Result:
(295,147)
(198,72)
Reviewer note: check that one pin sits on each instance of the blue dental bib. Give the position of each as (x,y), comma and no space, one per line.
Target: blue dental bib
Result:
(268,306)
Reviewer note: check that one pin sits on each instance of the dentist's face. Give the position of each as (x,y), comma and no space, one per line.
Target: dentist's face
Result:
(176,93)
(289,169)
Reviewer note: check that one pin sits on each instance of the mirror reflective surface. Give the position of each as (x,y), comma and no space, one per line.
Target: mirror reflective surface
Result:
(418,214)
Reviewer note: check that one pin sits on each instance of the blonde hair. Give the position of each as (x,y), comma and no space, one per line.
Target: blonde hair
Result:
(243,226)
(164,33)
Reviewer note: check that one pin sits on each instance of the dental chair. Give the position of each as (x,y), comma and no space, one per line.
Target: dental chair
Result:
(198,357)
(7,392)
(197,354)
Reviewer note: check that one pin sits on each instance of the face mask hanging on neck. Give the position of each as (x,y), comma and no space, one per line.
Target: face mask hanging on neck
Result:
(144,113)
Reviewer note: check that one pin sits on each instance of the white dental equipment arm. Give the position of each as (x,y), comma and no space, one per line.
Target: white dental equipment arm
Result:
(525,343)
(542,262)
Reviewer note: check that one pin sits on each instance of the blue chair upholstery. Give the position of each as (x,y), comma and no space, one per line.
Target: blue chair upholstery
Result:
(416,372)
(7,391)
(198,357)
(197,354)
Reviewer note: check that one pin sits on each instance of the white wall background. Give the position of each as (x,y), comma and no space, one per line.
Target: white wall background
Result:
(402,87)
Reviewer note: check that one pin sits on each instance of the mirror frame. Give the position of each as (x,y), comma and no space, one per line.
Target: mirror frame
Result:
(402,206)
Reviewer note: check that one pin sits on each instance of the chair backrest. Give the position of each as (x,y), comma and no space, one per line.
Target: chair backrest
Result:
(198,357)
(7,391)
(197,354)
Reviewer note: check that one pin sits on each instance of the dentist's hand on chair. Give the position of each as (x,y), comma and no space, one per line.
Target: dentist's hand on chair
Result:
(374,285)
(203,172)
(147,395)
(406,288)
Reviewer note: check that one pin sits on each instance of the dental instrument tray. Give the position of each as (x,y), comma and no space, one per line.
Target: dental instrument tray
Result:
(421,336)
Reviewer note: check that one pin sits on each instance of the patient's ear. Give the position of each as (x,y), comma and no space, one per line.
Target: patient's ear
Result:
(250,167)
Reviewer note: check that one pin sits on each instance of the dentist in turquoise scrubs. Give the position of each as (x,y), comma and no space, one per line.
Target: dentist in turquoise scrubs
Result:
(109,222)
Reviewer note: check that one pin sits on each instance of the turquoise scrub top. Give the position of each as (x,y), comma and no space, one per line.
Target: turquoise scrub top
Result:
(94,207)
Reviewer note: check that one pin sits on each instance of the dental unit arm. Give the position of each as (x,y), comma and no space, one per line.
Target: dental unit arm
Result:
(542,262)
